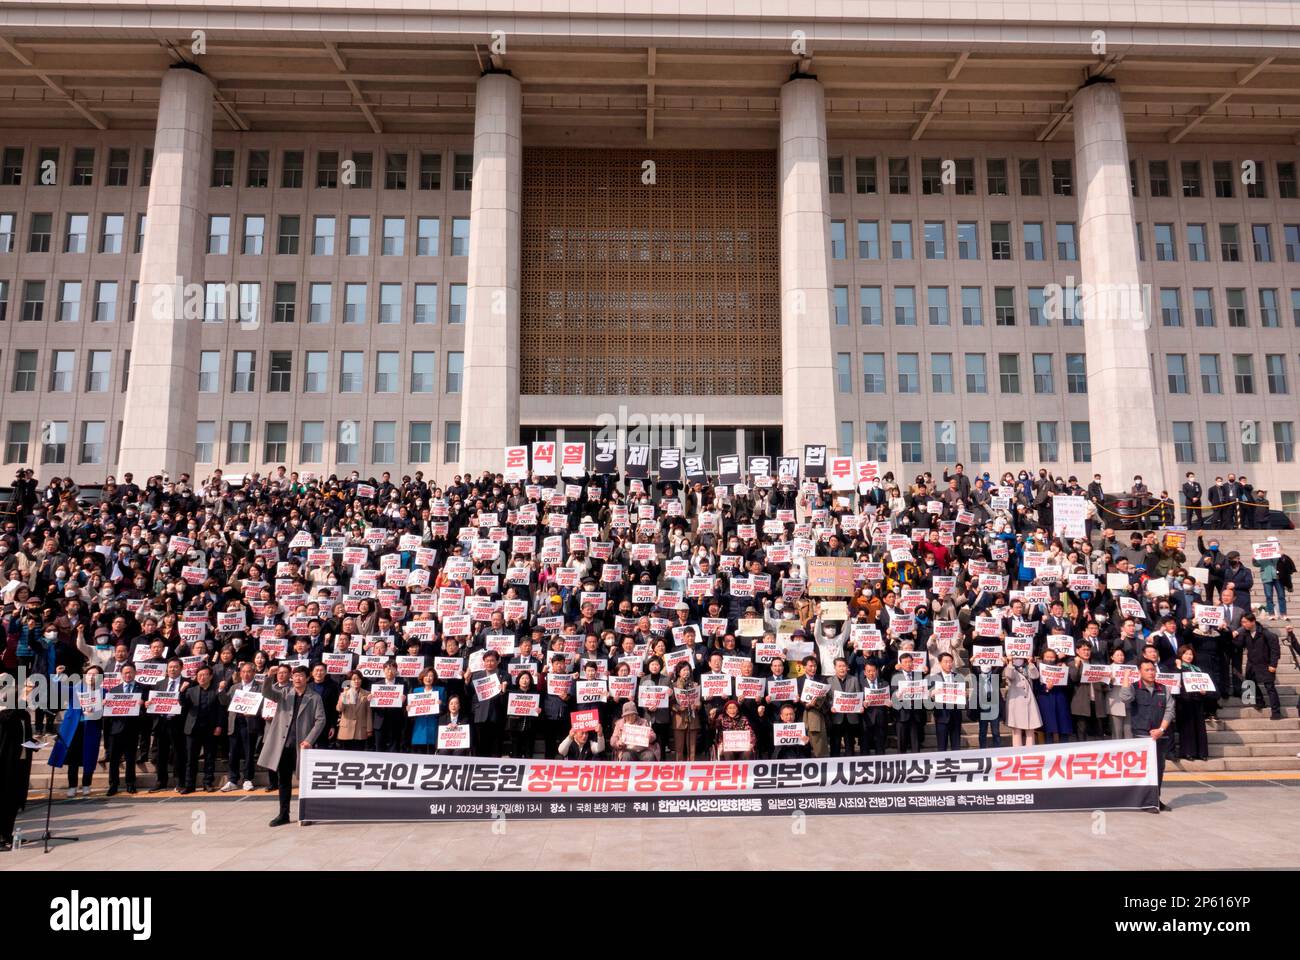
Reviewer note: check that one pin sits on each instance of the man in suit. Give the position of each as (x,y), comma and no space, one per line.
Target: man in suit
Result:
(244,731)
(1217,494)
(846,728)
(947,717)
(169,731)
(487,713)
(125,737)
(911,713)
(298,723)
(875,720)
(204,715)
(1192,514)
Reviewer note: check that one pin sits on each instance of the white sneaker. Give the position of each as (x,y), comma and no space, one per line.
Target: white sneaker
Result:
(72,793)
(228,786)
(85,791)
(248,784)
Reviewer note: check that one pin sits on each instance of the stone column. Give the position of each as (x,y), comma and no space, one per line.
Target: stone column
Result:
(489,418)
(807,366)
(1121,399)
(158,428)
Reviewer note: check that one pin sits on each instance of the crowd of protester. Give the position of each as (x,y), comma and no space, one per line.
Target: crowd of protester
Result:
(604,617)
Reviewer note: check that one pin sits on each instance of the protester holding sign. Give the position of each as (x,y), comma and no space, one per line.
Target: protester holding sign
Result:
(633,737)
(734,736)
(685,706)
(1023,714)
(522,723)
(455,729)
(423,706)
(122,725)
(1189,707)
(354,714)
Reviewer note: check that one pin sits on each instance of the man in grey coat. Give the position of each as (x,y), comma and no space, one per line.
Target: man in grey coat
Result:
(299,721)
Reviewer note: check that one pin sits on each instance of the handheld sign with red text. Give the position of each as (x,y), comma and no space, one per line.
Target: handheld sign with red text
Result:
(246,702)
(735,741)
(788,734)
(427,704)
(453,736)
(523,705)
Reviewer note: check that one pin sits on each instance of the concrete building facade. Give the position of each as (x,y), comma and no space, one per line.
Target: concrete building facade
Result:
(403,239)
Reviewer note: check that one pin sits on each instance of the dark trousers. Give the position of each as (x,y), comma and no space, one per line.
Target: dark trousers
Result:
(875,730)
(488,735)
(284,771)
(553,734)
(990,733)
(1087,728)
(171,748)
(122,747)
(1266,685)
(196,743)
(845,737)
(911,731)
(242,758)
(947,728)
(387,738)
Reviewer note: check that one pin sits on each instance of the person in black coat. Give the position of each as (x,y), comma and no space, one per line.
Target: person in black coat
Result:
(1192,502)
(124,736)
(488,713)
(204,717)
(1263,651)
(801,752)
(169,731)
(15,769)
(875,720)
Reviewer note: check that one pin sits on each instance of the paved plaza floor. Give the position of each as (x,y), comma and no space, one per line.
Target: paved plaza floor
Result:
(1223,824)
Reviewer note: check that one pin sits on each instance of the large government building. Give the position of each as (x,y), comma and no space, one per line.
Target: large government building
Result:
(400,235)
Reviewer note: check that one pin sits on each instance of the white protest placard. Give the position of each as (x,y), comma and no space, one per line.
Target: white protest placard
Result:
(1068,516)
(788,734)
(122,704)
(426,704)
(246,702)
(1268,550)
(1194,681)
(164,704)
(386,696)
(636,735)
(523,705)
(453,736)
(735,741)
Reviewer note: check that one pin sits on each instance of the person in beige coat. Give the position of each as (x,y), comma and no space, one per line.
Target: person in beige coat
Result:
(354,715)
(1022,707)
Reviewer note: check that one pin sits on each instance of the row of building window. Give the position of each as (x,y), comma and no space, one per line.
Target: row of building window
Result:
(907,366)
(1046,437)
(960,177)
(387,372)
(330,170)
(352,367)
(252,242)
(240,301)
(1042,374)
(1042,306)
(935,244)
(52,439)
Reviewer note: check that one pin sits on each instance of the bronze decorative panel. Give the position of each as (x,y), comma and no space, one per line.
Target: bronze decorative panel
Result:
(637,288)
